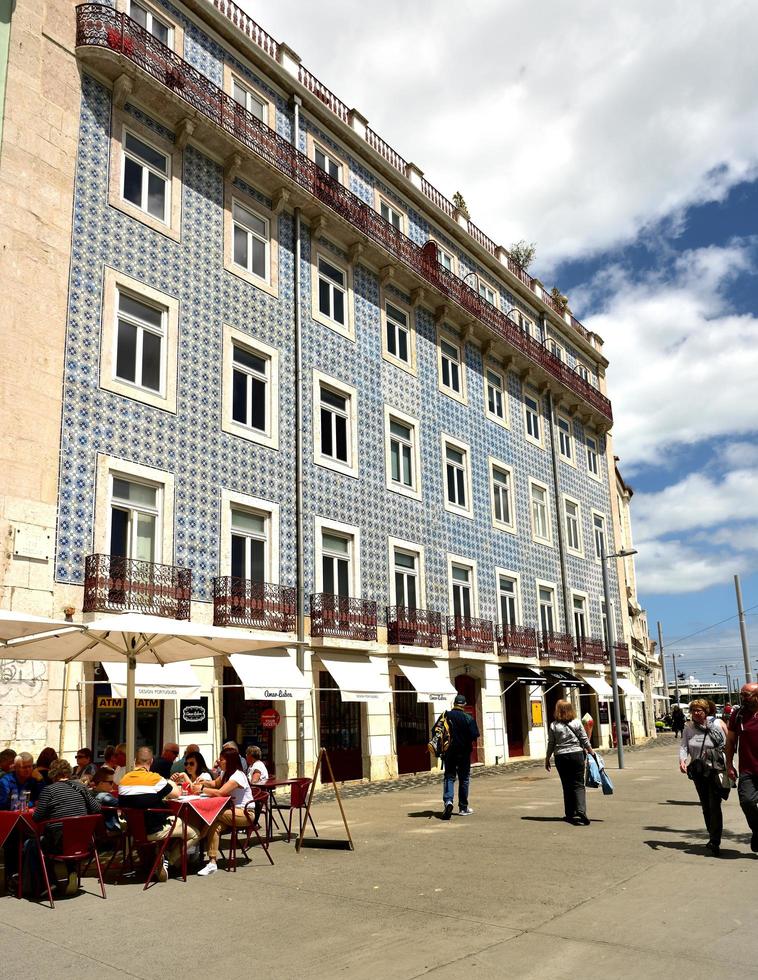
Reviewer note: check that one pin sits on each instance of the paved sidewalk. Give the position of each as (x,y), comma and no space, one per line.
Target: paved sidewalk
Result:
(510,891)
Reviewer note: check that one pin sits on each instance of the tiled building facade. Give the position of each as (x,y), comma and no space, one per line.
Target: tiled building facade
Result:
(454,427)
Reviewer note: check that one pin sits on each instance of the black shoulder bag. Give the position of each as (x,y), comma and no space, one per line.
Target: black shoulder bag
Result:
(697,767)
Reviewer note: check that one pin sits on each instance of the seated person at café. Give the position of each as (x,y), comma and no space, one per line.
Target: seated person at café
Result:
(232,783)
(85,767)
(148,790)
(42,765)
(101,786)
(19,780)
(167,758)
(118,763)
(7,758)
(178,766)
(256,768)
(231,744)
(195,770)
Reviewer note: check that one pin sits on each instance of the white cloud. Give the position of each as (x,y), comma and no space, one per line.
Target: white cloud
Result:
(666,567)
(741,537)
(739,454)
(573,124)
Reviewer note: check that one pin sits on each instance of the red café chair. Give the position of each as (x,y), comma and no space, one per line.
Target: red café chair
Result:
(232,831)
(135,826)
(298,801)
(77,845)
(111,841)
(259,796)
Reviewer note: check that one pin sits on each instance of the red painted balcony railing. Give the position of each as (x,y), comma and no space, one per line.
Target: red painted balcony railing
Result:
(622,654)
(115,584)
(590,651)
(259,605)
(517,641)
(414,627)
(557,646)
(465,633)
(103,27)
(343,616)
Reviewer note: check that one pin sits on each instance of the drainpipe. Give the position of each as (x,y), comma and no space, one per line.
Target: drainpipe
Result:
(569,628)
(299,535)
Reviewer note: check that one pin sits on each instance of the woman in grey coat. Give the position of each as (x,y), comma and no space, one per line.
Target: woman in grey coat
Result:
(568,741)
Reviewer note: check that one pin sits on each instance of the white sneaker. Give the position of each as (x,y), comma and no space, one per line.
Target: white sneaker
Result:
(210,869)
(465,811)
(163,871)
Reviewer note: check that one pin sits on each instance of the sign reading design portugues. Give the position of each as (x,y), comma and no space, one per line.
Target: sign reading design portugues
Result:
(193,715)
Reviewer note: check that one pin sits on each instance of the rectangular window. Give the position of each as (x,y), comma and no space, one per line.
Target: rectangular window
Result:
(250,388)
(244,97)
(507,600)
(487,293)
(583,371)
(401,454)
(580,618)
(593,465)
(251,239)
(541,527)
(546,600)
(598,526)
(604,625)
(146,177)
(462,591)
(450,367)
(456,477)
(446,260)
(502,496)
(151,22)
(573,525)
(335,425)
(565,447)
(140,343)
(398,333)
(134,520)
(532,419)
(332,292)
(249,545)
(328,163)
(389,214)
(495,391)
(555,349)
(405,571)
(336,563)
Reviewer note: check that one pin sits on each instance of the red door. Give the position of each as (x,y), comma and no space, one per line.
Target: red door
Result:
(466,685)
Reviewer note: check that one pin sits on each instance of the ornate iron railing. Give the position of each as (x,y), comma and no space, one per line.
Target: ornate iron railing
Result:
(260,605)
(557,646)
(343,616)
(589,650)
(465,633)
(517,641)
(622,654)
(114,584)
(248,26)
(100,26)
(414,627)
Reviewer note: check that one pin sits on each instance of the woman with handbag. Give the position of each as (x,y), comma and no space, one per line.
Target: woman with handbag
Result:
(568,740)
(703,743)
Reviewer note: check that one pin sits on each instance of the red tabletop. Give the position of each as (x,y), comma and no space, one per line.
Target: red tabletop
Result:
(206,807)
(274,783)
(10,819)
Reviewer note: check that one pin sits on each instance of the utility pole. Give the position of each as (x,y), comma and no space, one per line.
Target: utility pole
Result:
(663,664)
(610,620)
(676,676)
(743,632)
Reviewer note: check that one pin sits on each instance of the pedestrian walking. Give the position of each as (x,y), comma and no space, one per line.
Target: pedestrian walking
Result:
(703,743)
(568,741)
(464,731)
(743,735)
(677,721)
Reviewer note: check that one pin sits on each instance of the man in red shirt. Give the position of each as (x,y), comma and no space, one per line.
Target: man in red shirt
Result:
(743,732)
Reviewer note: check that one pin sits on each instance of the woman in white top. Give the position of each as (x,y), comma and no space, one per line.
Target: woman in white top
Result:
(703,744)
(568,740)
(233,783)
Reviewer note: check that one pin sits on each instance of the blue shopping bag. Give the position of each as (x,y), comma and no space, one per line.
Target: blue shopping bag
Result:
(592,773)
(605,782)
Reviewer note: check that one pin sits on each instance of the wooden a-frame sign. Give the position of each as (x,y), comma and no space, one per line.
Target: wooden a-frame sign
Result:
(323,755)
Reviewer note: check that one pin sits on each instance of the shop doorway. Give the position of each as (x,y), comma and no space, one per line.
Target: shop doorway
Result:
(514,719)
(242,720)
(467,685)
(411,729)
(340,731)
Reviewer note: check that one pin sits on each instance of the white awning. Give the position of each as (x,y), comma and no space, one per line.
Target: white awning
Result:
(661,697)
(357,678)
(271,676)
(630,690)
(599,685)
(430,678)
(176,680)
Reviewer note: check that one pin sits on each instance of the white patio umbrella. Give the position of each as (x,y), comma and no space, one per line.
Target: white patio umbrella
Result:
(136,639)
(14,625)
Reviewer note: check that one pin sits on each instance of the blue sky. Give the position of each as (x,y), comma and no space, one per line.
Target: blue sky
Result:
(623,140)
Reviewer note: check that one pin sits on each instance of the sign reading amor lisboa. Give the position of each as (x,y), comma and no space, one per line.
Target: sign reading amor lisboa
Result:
(193,715)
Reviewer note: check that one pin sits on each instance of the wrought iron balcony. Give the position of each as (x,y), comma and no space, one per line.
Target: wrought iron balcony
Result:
(115,584)
(343,617)
(259,605)
(414,627)
(622,654)
(557,646)
(590,651)
(465,633)
(102,27)
(517,641)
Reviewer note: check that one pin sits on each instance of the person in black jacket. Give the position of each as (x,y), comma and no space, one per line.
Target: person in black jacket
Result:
(463,733)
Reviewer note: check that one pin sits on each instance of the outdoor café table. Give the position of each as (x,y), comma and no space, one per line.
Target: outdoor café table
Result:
(207,809)
(271,786)
(23,822)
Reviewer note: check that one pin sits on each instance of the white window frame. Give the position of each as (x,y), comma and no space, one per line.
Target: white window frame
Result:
(165,218)
(441,251)
(487,292)
(161,16)
(583,371)
(464,448)
(590,453)
(350,393)
(261,215)
(142,328)
(577,551)
(566,439)
(386,319)
(577,594)
(252,97)
(269,509)
(556,349)
(410,547)
(602,516)
(497,464)
(394,216)
(331,157)
(516,577)
(502,388)
(156,512)
(392,414)
(346,329)
(236,338)
(548,540)
(536,398)
(448,338)
(553,588)
(471,565)
(526,324)
(324,524)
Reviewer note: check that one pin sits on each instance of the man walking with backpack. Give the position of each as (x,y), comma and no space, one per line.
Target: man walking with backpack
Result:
(742,735)
(463,733)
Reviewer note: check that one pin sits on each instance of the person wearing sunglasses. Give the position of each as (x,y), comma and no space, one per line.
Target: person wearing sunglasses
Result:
(168,757)
(195,770)
(85,767)
(101,786)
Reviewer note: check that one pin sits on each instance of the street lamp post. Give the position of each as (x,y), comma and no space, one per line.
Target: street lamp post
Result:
(609,639)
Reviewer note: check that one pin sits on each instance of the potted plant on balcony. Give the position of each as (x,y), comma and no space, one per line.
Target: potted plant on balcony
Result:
(174,78)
